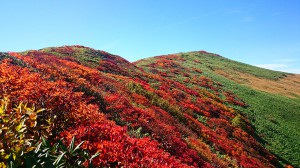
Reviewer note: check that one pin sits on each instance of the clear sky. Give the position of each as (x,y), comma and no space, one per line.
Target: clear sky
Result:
(258,32)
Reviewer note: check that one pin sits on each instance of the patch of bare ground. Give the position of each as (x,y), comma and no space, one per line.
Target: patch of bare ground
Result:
(287,86)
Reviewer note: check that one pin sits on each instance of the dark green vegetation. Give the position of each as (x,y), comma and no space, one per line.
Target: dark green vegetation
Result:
(275,118)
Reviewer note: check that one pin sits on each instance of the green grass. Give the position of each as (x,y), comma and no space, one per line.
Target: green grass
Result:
(276,118)
(217,62)
(85,56)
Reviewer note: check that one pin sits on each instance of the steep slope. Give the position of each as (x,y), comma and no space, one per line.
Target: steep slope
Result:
(160,112)
(272,97)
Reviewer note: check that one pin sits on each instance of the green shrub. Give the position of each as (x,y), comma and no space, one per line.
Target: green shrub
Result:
(238,121)
(58,155)
(18,131)
(22,142)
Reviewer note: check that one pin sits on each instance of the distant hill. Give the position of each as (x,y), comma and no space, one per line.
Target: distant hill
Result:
(194,109)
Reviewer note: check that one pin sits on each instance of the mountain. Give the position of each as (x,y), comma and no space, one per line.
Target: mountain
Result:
(272,97)
(194,109)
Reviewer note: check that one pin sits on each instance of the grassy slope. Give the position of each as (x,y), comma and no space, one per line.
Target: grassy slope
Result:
(275,117)
(165,110)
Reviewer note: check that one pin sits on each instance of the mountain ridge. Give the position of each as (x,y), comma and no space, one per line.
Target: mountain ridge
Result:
(269,80)
(263,103)
(142,101)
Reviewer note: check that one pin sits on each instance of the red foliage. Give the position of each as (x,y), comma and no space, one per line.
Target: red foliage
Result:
(231,98)
(117,149)
(81,95)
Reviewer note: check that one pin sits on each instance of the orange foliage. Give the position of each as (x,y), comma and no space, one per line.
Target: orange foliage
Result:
(87,99)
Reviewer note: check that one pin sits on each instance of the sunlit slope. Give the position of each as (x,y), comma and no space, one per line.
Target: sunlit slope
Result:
(134,116)
(272,97)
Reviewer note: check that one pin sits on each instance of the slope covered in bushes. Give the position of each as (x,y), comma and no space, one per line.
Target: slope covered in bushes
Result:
(155,113)
(272,97)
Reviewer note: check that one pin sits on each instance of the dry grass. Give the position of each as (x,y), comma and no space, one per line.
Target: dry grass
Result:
(287,86)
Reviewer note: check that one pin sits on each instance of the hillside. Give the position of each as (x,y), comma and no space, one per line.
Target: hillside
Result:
(272,97)
(180,110)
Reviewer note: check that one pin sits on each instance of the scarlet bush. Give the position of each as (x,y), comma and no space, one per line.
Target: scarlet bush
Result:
(102,98)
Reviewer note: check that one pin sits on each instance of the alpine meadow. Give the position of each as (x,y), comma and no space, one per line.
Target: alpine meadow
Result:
(74,106)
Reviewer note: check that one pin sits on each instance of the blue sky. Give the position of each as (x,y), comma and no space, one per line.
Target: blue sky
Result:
(258,32)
